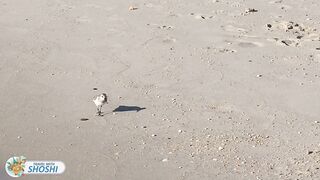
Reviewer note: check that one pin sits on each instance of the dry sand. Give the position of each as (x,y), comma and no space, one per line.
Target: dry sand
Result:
(231,88)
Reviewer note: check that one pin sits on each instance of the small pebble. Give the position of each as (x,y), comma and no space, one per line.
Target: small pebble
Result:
(259,75)
(220,148)
(165,160)
(153,135)
(19,137)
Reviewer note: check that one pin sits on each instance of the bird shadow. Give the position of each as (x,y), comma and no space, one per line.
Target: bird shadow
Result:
(128,108)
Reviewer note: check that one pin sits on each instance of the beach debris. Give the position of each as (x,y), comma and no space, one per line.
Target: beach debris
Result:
(132,8)
(287,42)
(153,135)
(250,10)
(203,17)
(165,27)
(84,119)
(95,89)
(298,32)
(259,75)
(19,137)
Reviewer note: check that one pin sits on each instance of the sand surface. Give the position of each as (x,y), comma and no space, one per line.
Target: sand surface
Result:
(231,88)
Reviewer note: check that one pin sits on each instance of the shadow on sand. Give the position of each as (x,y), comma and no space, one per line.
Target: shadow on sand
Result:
(128,108)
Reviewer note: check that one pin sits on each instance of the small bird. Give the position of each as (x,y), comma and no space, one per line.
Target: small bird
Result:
(99,101)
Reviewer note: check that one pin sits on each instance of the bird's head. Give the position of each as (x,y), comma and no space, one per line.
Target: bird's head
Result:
(104,97)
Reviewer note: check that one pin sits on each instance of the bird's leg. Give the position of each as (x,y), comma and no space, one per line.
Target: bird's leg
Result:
(98,110)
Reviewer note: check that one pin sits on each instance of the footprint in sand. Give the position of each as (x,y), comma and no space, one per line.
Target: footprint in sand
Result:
(83,19)
(164,27)
(231,28)
(280,5)
(247,44)
(169,40)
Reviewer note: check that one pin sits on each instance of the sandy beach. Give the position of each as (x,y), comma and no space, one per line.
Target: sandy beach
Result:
(198,89)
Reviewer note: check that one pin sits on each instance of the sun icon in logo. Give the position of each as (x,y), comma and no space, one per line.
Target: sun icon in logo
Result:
(15,166)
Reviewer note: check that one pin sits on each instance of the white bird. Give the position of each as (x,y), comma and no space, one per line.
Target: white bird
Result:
(99,101)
